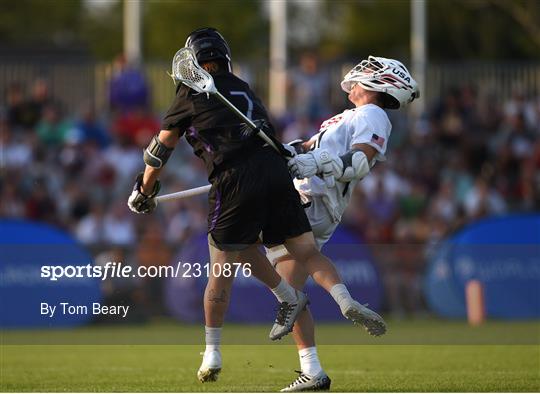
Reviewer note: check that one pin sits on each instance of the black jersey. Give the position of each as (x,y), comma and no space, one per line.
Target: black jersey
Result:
(212,129)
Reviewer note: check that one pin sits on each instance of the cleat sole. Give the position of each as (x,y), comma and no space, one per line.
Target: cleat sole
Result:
(208,375)
(374,327)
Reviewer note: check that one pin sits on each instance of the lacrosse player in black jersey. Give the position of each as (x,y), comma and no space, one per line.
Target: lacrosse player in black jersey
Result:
(252,193)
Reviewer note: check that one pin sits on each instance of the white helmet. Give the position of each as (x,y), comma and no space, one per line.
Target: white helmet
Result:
(383,75)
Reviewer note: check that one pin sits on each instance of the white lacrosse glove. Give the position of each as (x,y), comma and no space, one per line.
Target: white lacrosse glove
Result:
(346,168)
(318,161)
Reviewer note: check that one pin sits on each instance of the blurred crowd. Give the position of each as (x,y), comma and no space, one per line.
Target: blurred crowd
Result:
(468,157)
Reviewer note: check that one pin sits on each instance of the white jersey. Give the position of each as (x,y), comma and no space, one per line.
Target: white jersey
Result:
(367,124)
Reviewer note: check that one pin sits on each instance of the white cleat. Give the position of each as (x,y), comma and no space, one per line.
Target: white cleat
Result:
(359,314)
(287,315)
(319,382)
(210,367)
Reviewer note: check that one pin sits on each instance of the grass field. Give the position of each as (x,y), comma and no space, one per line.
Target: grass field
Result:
(407,365)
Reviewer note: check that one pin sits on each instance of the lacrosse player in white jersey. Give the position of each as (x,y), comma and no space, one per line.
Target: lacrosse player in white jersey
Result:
(327,169)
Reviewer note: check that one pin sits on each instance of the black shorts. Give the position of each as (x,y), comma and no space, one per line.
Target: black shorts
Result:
(254,197)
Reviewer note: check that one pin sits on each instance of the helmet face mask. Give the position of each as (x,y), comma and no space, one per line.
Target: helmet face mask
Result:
(208,44)
(383,75)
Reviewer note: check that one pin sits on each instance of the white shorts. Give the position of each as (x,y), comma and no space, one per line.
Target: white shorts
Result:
(322,226)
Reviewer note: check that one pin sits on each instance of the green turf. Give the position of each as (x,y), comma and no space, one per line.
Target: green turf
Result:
(442,367)
(408,332)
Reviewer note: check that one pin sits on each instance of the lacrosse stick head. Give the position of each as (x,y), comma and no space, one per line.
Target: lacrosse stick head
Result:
(185,69)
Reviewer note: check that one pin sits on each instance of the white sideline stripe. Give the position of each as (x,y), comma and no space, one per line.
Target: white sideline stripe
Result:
(185,193)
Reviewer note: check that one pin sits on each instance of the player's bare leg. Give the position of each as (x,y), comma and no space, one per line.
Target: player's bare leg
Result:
(218,288)
(304,250)
(216,301)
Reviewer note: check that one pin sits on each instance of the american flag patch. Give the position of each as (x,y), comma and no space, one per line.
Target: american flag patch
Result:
(377,140)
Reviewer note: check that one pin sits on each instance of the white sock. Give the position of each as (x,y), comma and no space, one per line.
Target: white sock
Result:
(284,292)
(341,295)
(212,338)
(309,361)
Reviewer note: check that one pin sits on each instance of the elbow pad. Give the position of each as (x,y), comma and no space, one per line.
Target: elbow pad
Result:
(354,165)
(156,154)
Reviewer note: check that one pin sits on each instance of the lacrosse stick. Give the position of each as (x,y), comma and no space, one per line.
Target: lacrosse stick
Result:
(183,194)
(186,70)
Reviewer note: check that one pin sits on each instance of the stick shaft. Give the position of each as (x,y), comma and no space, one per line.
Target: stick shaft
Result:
(240,114)
(184,194)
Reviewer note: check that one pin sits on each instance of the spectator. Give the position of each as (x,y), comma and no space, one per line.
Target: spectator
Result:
(12,205)
(16,151)
(309,89)
(17,110)
(52,130)
(529,110)
(443,206)
(449,121)
(300,128)
(481,200)
(520,138)
(128,89)
(125,160)
(40,206)
(89,129)
(22,113)
(118,226)
(89,230)
(136,127)
(393,184)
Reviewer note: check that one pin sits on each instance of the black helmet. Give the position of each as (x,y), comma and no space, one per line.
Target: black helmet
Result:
(209,44)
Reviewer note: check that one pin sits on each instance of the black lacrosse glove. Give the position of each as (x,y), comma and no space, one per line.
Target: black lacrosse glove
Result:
(298,146)
(285,151)
(139,202)
(262,124)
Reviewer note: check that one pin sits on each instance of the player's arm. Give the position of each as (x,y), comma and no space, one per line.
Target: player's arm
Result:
(357,162)
(309,144)
(156,155)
